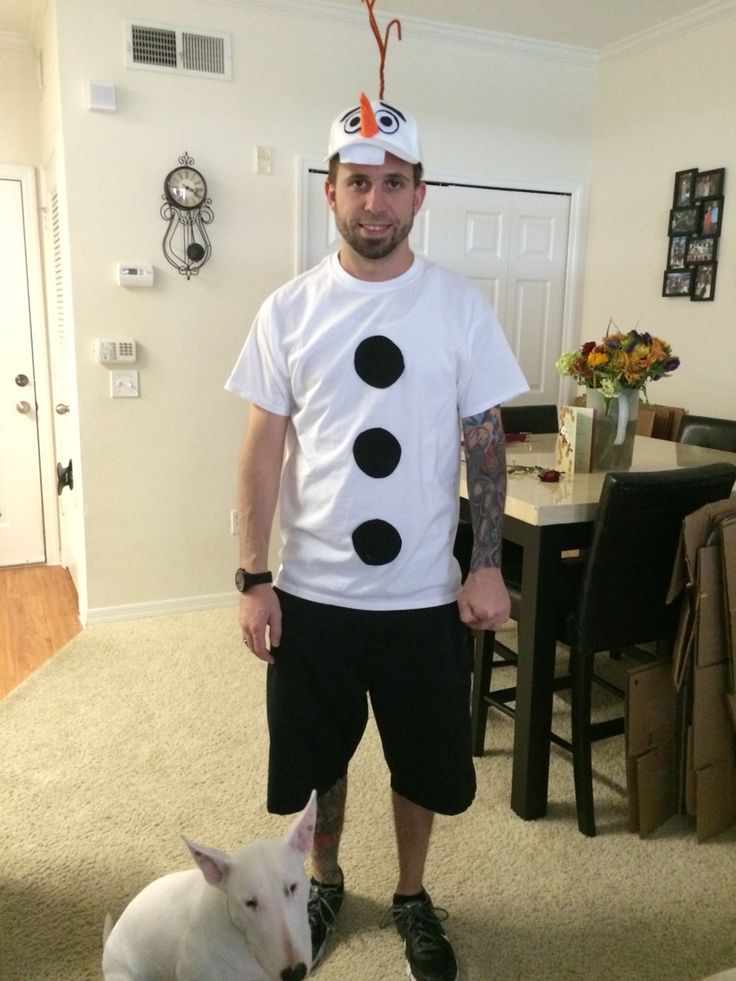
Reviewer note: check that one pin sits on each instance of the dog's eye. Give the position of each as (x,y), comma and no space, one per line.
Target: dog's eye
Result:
(251,903)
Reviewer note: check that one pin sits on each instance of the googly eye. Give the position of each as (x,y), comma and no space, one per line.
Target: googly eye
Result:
(351,122)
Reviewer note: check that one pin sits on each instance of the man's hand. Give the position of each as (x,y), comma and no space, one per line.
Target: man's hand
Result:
(260,620)
(484,600)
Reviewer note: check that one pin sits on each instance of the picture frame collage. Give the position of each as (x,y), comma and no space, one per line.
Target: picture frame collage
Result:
(694,229)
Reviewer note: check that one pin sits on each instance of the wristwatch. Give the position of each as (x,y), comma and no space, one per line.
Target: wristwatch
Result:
(244,580)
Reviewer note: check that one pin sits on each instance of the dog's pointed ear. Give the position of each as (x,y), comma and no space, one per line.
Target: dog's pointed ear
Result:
(301,834)
(214,864)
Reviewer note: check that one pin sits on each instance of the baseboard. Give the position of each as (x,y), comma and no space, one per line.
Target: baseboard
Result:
(160,608)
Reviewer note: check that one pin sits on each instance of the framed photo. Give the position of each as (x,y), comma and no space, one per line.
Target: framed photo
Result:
(684,188)
(711,216)
(678,252)
(701,249)
(709,184)
(704,284)
(678,282)
(685,221)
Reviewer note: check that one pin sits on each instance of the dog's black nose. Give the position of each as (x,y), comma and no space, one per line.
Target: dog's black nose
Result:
(297,973)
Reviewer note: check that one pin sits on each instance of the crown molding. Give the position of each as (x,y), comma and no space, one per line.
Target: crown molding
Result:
(431,30)
(676,27)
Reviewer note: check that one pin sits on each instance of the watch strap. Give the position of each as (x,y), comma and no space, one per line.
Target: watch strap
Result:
(244,580)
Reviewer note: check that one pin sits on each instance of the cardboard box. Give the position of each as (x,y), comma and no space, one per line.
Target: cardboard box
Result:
(666,421)
(728,533)
(651,732)
(704,667)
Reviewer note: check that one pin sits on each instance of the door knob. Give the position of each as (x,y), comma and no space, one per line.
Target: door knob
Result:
(21,380)
(23,407)
(62,409)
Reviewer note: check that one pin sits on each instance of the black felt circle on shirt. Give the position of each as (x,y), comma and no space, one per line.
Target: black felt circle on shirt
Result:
(376,542)
(378,361)
(377,452)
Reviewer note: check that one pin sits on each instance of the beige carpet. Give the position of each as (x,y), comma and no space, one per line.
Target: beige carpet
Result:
(140,731)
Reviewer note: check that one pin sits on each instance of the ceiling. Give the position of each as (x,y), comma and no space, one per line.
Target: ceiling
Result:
(584,23)
(593,24)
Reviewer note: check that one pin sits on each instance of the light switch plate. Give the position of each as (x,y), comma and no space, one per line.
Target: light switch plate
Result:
(124,384)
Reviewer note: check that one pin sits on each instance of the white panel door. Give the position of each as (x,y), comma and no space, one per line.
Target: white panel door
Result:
(513,244)
(21,505)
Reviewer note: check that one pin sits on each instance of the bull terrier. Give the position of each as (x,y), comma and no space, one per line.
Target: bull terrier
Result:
(240,917)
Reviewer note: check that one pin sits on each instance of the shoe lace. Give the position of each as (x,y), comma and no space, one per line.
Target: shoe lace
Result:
(421,921)
(319,907)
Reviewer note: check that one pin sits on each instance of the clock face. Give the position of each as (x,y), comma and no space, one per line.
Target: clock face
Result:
(185,187)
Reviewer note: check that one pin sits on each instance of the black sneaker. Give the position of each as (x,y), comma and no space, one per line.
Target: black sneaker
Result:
(429,954)
(323,906)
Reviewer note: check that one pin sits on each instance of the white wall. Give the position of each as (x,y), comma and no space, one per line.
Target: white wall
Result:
(159,471)
(658,111)
(19,114)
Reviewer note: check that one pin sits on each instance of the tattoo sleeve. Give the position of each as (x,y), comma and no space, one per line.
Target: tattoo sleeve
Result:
(485,455)
(327,834)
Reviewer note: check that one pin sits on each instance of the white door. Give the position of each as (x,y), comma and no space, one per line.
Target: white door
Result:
(512,243)
(63,385)
(21,502)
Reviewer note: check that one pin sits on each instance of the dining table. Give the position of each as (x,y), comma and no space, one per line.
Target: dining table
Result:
(546,519)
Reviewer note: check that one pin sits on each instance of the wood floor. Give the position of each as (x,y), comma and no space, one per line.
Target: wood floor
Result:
(38,616)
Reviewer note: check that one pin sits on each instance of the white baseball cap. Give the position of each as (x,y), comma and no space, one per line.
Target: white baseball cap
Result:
(366,132)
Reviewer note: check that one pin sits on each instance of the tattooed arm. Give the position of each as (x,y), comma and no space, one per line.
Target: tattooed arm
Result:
(483,601)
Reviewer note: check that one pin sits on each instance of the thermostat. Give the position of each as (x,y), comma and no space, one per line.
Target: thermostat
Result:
(130,275)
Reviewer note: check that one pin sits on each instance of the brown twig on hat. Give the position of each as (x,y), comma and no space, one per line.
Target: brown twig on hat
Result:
(381,41)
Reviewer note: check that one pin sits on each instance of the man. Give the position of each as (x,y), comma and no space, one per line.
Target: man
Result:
(363,370)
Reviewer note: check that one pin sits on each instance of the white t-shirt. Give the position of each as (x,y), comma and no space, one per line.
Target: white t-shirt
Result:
(375,378)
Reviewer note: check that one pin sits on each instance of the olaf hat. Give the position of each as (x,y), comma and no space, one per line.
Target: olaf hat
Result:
(366,132)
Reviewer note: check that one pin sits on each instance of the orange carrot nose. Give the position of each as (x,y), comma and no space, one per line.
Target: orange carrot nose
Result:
(368,124)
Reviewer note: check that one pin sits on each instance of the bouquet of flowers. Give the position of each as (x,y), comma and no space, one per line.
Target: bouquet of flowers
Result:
(620,361)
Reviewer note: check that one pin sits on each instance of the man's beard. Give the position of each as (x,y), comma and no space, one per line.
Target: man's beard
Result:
(372,248)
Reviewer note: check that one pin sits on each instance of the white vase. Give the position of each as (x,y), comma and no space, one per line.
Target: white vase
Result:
(614,428)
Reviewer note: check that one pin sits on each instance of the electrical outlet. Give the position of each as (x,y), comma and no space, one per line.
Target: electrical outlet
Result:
(234,522)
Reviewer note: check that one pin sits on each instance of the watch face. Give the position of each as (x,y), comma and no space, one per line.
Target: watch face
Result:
(185,187)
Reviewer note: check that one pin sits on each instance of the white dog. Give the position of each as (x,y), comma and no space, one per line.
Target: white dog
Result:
(244,918)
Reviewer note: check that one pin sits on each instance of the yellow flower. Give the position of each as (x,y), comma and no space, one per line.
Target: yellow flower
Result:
(596,358)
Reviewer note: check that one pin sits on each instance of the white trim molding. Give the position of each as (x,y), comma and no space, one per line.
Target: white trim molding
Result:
(432,30)
(709,13)
(159,608)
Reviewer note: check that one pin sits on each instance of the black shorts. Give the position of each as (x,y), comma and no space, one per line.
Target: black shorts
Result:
(415,665)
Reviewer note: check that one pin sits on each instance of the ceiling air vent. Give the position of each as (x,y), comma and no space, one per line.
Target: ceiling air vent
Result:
(174,49)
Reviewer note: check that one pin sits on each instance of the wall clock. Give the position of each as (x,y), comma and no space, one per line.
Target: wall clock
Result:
(186,208)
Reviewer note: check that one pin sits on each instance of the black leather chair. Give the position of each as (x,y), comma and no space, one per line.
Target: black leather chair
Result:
(612,599)
(529,418)
(717,434)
